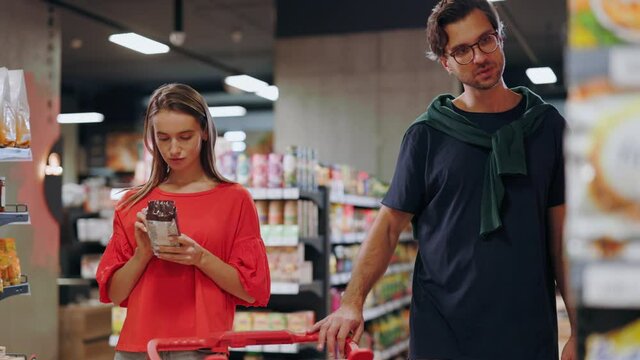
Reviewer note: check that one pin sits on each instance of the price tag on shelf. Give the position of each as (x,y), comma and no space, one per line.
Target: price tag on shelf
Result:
(254,348)
(282,288)
(291,193)
(271,348)
(274,194)
(289,348)
(612,286)
(258,193)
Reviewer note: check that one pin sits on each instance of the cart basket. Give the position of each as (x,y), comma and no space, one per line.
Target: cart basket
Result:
(221,342)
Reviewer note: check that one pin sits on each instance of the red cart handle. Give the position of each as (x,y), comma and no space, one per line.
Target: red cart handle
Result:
(220,342)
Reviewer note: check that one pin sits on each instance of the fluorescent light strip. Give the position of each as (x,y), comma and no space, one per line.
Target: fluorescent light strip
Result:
(80,118)
(245,83)
(139,43)
(269,93)
(541,75)
(233,136)
(227,111)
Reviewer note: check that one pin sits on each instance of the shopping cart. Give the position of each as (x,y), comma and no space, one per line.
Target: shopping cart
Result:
(220,343)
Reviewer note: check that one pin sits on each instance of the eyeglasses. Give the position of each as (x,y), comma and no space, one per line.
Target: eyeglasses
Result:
(465,54)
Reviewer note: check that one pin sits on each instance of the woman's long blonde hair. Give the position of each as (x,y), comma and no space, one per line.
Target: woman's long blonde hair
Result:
(184,99)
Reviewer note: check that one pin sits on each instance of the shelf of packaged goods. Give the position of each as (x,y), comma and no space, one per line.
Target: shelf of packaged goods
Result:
(15,154)
(316,242)
(291,288)
(286,194)
(359,237)
(343,278)
(276,349)
(355,200)
(380,310)
(21,289)
(393,351)
(14,218)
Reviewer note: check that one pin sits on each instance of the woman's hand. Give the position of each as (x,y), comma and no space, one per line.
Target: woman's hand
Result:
(188,253)
(144,249)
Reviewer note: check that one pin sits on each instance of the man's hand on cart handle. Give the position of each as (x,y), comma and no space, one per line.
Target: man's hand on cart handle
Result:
(345,322)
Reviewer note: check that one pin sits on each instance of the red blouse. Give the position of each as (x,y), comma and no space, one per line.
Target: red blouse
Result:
(174,300)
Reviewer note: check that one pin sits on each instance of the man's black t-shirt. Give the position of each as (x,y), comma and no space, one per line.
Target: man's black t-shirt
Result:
(479,298)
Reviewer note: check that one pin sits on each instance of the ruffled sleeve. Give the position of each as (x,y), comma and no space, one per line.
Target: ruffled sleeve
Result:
(117,253)
(249,257)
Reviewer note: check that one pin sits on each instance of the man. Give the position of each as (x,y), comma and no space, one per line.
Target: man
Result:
(481,177)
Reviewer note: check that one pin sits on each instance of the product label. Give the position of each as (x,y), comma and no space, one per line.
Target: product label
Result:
(161,232)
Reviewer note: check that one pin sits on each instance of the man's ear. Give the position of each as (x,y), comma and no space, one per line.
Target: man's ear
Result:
(445,64)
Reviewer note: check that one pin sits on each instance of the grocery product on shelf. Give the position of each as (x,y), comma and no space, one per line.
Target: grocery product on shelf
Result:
(602,232)
(20,108)
(298,321)
(7,120)
(387,331)
(298,167)
(15,130)
(9,262)
(285,262)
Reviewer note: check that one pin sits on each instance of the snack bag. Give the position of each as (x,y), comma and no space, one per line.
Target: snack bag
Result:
(7,120)
(20,108)
(162,223)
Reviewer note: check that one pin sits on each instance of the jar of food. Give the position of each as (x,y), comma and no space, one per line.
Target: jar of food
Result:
(2,192)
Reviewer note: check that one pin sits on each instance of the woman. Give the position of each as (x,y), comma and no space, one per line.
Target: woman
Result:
(190,290)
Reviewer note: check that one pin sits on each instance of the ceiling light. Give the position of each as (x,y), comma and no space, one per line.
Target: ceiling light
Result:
(239,146)
(270,93)
(541,75)
(245,83)
(139,43)
(233,136)
(227,111)
(79,118)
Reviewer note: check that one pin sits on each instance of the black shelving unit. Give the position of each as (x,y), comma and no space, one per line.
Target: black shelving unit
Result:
(16,214)
(71,252)
(21,289)
(289,297)
(13,217)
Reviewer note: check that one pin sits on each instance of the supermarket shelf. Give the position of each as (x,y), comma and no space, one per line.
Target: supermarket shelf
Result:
(407,236)
(315,196)
(399,268)
(113,340)
(359,237)
(22,289)
(14,154)
(286,194)
(343,278)
(349,238)
(355,200)
(395,350)
(377,311)
(281,241)
(316,242)
(284,288)
(276,349)
(293,241)
(14,218)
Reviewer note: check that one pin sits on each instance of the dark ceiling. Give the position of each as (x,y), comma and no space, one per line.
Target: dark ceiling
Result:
(228,36)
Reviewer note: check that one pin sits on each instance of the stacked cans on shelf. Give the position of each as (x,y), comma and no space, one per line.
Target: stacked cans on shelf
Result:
(296,168)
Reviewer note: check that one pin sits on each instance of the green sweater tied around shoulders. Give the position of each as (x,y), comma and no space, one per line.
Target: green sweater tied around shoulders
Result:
(506,147)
